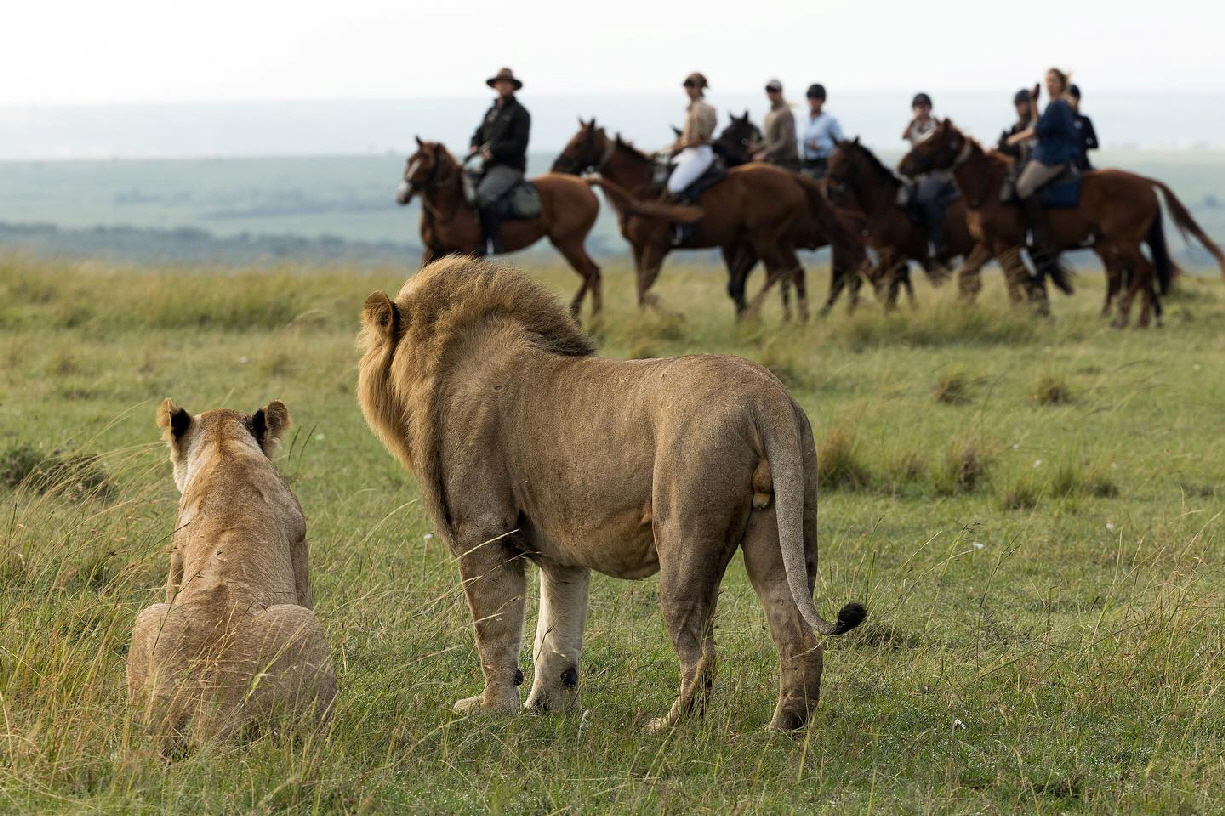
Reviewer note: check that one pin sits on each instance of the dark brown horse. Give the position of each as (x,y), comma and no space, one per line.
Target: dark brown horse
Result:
(449,226)
(859,181)
(1117,213)
(736,145)
(756,204)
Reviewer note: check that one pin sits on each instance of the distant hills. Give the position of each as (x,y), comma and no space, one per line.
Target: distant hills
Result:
(318,127)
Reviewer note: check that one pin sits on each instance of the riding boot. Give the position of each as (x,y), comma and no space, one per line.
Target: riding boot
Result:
(491,225)
(682,233)
(1044,255)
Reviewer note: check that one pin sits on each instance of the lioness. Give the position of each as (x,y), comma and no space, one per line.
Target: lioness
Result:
(527,446)
(236,642)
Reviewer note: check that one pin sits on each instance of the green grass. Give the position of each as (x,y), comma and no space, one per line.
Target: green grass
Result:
(1044,576)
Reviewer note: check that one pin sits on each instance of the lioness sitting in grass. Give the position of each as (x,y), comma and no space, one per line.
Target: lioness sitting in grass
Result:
(236,643)
(527,446)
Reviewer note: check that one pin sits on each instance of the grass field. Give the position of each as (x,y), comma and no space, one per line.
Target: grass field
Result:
(1031,511)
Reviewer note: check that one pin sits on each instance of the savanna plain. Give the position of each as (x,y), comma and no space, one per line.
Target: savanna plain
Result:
(1030,509)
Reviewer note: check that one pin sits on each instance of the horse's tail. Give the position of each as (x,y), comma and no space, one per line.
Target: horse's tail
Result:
(846,249)
(1161,253)
(627,204)
(820,208)
(1185,223)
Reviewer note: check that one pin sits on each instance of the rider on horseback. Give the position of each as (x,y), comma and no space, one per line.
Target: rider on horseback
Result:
(1023,101)
(694,153)
(821,134)
(1084,126)
(780,147)
(1058,145)
(501,140)
(932,190)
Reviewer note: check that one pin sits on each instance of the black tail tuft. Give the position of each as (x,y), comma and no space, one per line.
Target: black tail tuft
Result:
(851,616)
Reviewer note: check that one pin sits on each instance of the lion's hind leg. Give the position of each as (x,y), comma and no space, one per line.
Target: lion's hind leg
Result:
(275,666)
(559,638)
(799,653)
(692,560)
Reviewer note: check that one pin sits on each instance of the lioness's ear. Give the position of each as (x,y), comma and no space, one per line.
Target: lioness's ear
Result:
(382,314)
(172,418)
(269,424)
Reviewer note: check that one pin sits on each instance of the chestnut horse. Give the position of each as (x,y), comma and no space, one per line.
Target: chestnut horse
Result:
(757,204)
(859,181)
(449,226)
(1118,211)
(736,145)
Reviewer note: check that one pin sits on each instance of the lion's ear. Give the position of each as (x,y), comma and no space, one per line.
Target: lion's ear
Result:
(172,418)
(382,314)
(269,424)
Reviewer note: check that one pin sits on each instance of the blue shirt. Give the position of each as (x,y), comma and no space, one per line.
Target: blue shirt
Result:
(824,131)
(1058,139)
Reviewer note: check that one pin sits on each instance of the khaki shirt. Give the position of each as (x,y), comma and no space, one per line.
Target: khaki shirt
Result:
(700,122)
(781,147)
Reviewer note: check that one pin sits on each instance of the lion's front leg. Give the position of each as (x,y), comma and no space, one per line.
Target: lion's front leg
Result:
(494,584)
(559,638)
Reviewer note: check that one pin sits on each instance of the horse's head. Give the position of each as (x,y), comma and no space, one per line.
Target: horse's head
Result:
(939,151)
(739,140)
(585,150)
(844,173)
(425,168)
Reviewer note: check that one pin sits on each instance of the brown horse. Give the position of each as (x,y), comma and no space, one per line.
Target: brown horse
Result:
(736,145)
(449,226)
(859,181)
(1118,211)
(756,205)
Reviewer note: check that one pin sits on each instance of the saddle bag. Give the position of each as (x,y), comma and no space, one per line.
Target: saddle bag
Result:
(1062,192)
(524,200)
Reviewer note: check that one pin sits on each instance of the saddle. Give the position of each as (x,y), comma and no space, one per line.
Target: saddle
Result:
(1062,192)
(519,203)
(710,177)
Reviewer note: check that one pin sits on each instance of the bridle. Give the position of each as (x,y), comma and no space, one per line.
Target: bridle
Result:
(432,178)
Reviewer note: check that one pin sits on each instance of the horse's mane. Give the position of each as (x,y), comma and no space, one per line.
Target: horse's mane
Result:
(628,145)
(449,298)
(875,162)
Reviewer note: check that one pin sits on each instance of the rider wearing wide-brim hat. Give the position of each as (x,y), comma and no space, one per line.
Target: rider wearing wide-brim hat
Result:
(501,139)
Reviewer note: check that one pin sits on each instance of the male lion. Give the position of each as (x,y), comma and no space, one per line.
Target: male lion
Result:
(236,642)
(526,445)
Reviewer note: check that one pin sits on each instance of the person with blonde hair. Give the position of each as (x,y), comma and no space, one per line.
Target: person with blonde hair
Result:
(1056,147)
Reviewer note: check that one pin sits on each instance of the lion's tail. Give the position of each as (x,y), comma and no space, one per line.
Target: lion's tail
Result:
(784,451)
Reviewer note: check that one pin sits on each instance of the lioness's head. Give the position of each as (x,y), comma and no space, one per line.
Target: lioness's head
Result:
(188,435)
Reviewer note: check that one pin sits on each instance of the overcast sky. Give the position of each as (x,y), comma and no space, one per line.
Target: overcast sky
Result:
(58,52)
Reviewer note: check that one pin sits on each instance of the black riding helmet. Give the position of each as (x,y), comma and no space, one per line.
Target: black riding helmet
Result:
(921,99)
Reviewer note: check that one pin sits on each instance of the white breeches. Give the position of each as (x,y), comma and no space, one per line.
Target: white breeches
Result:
(690,163)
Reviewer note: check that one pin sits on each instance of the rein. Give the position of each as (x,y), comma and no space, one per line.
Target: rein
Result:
(963,154)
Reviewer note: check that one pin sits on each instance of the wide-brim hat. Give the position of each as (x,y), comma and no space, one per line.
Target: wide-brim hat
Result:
(507,74)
